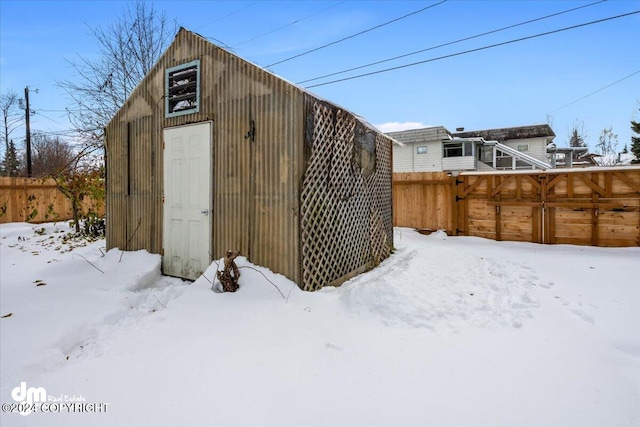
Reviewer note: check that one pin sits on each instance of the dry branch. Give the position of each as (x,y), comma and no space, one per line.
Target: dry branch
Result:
(229,276)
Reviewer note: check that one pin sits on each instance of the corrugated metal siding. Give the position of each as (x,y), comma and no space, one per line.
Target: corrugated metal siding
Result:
(141,203)
(277,170)
(256,179)
(231,173)
(255,183)
(116,185)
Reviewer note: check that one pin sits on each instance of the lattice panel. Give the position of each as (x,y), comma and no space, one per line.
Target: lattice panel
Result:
(346,219)
(380,185)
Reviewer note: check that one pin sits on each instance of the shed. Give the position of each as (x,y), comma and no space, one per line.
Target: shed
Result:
(211,153)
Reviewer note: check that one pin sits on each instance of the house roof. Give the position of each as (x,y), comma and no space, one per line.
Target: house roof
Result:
(552,148)
(434,133)
(505,134)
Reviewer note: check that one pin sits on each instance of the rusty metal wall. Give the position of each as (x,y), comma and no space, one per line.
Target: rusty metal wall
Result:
(255,178)
(257,165)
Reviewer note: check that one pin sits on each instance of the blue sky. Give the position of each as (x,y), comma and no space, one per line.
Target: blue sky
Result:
(516,84)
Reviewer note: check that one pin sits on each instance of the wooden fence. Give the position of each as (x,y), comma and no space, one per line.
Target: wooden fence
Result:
(594,206)
(36,200)
(424,200)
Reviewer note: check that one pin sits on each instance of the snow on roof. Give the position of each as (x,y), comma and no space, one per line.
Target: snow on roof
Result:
(516,132)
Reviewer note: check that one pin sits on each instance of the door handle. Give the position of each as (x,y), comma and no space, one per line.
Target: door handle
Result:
(205,212)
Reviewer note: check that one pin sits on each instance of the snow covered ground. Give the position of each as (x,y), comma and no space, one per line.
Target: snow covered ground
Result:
(449,331)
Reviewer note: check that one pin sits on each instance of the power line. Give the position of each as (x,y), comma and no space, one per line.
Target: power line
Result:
(228,14)
(475,50)
(451,43)
(39,112)
(356,34)
(220,43)
(290,24)
(56,132)
(593,93)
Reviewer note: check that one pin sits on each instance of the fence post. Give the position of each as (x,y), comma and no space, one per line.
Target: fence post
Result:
(462,205)
(454,204)
(546,211)
(595,232)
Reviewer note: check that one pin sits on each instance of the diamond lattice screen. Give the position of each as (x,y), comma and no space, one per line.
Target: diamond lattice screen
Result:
(346,216)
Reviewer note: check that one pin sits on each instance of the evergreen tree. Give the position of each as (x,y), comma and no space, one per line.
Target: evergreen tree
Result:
(11,162)
(635,139)
(577,138)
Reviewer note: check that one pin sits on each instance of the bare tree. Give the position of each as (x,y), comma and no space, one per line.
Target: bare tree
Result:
(78,175)
(127,49)
(550,120)
(84,179)
(11,118)
(50,156)
(607,146)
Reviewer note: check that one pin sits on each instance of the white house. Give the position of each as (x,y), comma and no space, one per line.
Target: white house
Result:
(421,149)
(437,149)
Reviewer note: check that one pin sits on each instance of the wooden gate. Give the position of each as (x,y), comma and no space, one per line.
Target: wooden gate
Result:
(576,206)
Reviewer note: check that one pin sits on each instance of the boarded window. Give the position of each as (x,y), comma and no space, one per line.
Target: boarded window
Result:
(182,89)
(422,149)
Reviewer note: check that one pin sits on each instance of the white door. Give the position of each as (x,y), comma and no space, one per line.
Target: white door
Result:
(187,200)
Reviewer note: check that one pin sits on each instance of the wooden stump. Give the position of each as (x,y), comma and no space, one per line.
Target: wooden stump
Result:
(229,276)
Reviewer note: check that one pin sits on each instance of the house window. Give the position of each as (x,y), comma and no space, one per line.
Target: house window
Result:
(523,147)
(422,149)
(182,89)
(458,149)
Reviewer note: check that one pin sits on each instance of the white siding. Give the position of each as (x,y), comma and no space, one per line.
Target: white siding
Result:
(537,147)
(429,162)
(459,163)
(402,158)
(406,159)
(484,167)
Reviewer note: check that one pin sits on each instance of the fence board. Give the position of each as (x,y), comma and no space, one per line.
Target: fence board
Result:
(423,198)
(596,206)
(36,200)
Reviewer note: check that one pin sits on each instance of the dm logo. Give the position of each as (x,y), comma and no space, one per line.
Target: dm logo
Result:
(28,396)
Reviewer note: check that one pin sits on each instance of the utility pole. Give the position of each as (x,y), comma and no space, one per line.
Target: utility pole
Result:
(27,113)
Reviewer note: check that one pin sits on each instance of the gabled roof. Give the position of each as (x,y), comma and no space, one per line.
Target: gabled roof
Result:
(505,134)
(434,133)
(190,36)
